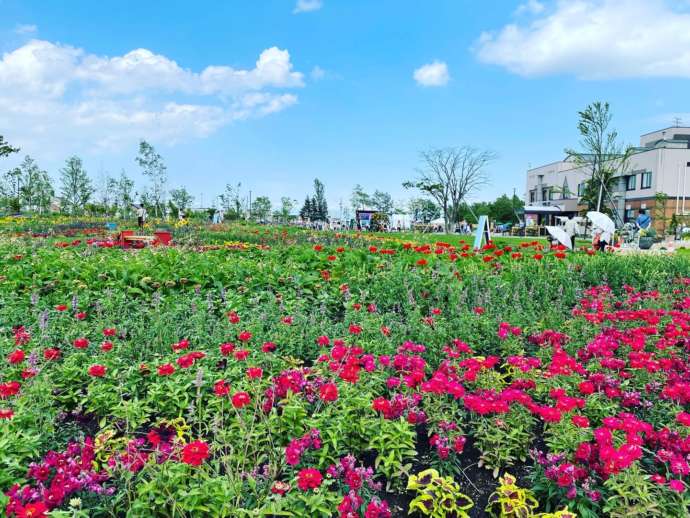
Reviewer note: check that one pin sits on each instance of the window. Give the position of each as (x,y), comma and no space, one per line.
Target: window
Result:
(581,189)
(544,194)
(532,196)
(565,193)
(629,215)
(630,182)
(646,180)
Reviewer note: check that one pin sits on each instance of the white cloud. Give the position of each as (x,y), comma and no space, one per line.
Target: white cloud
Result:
(432,74)
(317,73)
(530,7)
(305,6)
(595,39)
(26,29)
(54,95)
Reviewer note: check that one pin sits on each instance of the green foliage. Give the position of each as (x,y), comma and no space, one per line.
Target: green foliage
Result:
(437,496)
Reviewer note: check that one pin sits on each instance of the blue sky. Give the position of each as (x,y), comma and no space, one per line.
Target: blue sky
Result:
(337,96)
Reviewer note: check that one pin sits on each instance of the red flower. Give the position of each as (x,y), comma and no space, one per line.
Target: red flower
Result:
(328,392)
(227,348)
(8,389)
(61,307)
(580,421)
(355,329)
(195,453)
(34,510)
(268,347)
(309,478)
(244,336)
(221,388)
(81,343)
(109,331)
(478,310)
(80,316)
(106,346)
(97,371)
(323,340)
(51,354)
(254,372)
(6,413)
(422,262)
(240,399)
(233,317)
(241,354)
(538,257)
(683,418)
(166,369)
(16,356)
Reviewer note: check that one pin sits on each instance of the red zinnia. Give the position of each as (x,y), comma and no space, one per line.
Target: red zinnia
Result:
(195,453)
(6,413)
(61,307)
(221,388)
(240,399)
(254,372)
(51,354)
(106,346)
(109,331)
(16,356)
(34,510)
(244,336)
(328,392)
(309,478)
(166,369)
(97,371)
(81,343)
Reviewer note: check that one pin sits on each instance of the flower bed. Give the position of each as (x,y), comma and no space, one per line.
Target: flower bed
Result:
(341,375)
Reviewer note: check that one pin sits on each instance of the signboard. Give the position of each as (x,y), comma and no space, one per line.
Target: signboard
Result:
(482,232)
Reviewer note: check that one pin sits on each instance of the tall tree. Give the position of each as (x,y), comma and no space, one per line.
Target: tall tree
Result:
(286,206)
(76,189)
(123,187)
(181,198)
(154,169)
(383,202)
(232,201)
(450,175)
(5,148)
(320,210)
(306,212)
(359,199)
(261,208)
(423,209)
(601,154)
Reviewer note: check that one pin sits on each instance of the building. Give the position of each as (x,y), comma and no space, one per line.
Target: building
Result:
(661,164)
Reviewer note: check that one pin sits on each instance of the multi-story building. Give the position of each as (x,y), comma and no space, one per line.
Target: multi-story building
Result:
(661,164)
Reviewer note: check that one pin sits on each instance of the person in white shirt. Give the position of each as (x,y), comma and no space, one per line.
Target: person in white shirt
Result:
(141,216)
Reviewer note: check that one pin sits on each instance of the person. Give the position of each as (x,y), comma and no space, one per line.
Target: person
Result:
(643,221)
(141,216)
(180,214)
(570,228)
(601,239)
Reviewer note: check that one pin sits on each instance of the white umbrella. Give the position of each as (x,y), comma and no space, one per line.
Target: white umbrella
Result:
(560,235)
(601,221)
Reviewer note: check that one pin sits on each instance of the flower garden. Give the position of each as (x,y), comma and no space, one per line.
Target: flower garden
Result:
(259,371)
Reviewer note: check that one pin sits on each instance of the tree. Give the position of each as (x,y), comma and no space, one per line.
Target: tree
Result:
(450,175)
(181,198)
(155,170)
(261,208)
(76,186)
(602,156)
(503,209)
(307,211)
(423,209)
(286,206)
(123,188)
(320,207)
(359,199)
(232,201)
(5,148)
(383,202)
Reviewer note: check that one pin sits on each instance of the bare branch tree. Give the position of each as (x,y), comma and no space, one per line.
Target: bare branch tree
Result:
(450,175)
